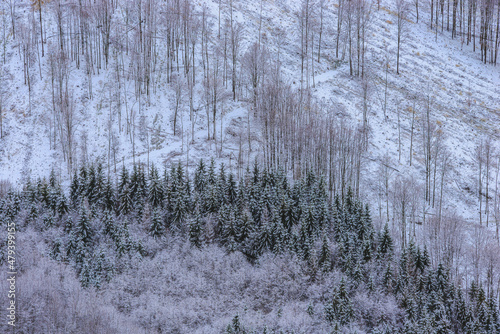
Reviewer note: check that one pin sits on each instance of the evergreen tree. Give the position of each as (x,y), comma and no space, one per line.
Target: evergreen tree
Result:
(56,250)
(62,206)
(123,181)
(80,253)
(83,182)
(492,323)
(309,222)
(29,192)
(221,186)
(367,251)
(71,245)
(227,225)
(235,327)
(263,240)
(125,200)
(75,190)
(155,192)
(255,174)
(339,308)
(134,183)
(304,243)
(196,230)
(109,224)
(92,193)
(68,225)
(388,279)
(138,189)
(85,274)
(100,185)
(179,209)
(43,192)
(156,229)
(108,197)
(231,190)
(324,260)
(245,226)
(123,242)
(280,236)
(211,173)
(200,177)
(385,245)
(83,230)
(210,200)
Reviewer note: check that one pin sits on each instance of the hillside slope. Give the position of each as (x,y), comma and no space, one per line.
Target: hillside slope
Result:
(437,73)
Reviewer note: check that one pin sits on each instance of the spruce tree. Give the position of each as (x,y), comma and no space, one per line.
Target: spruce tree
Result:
(62,206)
(108,197)
(29,192)
(211,177)
(123,181)
(85,274)
(92,193)
(155,191)
(200,178)
(156,228)
(56,250)
(109,226)
(231,189)
(245,226)
(385,245)
(83,182)
(339,308)
(196,230)
(125,201)
(83,230)
(324,260)
(221,186)
(75,190)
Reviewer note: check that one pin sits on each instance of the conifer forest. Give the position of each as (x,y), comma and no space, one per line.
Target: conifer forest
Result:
(249,167)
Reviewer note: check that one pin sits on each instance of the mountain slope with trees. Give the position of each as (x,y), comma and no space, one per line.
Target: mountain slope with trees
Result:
(208,254)
(394,104)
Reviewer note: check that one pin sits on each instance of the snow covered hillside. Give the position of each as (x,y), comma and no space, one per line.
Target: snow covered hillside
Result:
(118,125)
(395,103)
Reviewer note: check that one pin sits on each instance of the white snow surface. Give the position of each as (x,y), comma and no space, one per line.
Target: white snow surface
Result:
(464,95)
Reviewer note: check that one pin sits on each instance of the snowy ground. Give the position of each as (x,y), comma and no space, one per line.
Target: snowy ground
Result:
(464,95)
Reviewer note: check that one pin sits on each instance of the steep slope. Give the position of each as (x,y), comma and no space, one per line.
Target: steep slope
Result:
(436,73)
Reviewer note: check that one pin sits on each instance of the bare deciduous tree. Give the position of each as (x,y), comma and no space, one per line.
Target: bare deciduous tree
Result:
(403,11)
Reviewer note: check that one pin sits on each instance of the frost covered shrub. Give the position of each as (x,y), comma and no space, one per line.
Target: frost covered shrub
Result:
(184,289)
(375,309)
(50,299)
(282,257)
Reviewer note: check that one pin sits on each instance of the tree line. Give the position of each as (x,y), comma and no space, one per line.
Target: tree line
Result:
(97,226)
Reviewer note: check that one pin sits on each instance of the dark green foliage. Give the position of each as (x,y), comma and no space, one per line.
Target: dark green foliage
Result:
(123,181)
(385,246)
(83,230)
(75,190)
(56,250)
(155,190)
(196,231)
(235,327)
(339,308)
(96,270)
(200,177)
(108,197)
(156,228)
(109,225)
(261,213)
(125,201)
(324,260)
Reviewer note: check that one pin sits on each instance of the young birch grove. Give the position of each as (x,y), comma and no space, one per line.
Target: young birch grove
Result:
(290,197)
